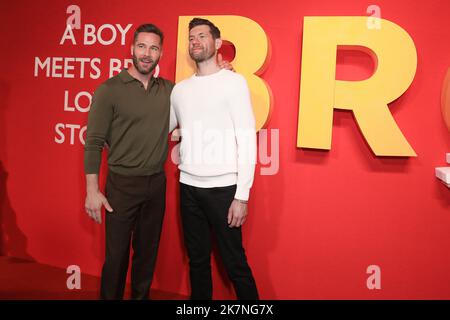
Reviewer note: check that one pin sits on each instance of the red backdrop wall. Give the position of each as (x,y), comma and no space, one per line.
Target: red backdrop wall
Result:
(314,227)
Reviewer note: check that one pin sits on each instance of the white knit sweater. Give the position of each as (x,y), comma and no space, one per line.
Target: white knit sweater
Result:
(218,144)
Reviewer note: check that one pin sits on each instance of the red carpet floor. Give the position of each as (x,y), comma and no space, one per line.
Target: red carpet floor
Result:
(27,280)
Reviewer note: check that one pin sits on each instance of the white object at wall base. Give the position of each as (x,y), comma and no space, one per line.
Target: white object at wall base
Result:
(443,173)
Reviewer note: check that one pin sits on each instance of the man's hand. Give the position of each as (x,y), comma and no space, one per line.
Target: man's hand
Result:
(93,205)
(223,64)
(237,214)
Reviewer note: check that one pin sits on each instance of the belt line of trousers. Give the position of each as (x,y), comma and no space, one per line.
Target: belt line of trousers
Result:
(204,211)
(138,210)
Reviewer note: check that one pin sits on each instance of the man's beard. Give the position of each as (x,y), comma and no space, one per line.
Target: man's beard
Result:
(202,56)
(142,70)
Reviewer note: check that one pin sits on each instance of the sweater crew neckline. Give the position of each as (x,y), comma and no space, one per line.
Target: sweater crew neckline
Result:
(209,76)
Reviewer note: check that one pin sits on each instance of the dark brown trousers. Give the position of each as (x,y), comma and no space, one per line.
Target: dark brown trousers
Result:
(138,209)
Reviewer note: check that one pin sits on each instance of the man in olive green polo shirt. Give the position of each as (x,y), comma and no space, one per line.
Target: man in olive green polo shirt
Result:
(130,113)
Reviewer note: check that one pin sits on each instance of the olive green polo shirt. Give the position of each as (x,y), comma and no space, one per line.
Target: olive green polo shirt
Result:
(133,122)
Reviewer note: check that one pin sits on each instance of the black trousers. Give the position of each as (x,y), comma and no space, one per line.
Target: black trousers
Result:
(138,209)
(204,210)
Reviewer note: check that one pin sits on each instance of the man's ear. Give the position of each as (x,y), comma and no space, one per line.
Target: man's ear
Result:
(132,49)
(218,43)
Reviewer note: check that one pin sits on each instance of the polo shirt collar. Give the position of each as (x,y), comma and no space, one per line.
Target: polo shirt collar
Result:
(126,77)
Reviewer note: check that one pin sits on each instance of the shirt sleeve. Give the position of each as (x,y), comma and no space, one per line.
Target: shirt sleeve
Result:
(245,133)
(99,123)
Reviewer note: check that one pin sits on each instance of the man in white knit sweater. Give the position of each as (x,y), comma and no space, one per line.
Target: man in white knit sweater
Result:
(217,163)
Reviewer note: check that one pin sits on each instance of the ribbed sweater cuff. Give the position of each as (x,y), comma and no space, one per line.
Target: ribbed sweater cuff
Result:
(242,193)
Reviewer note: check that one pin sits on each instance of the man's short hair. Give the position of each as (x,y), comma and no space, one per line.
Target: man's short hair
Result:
(150,28)
(215,32)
